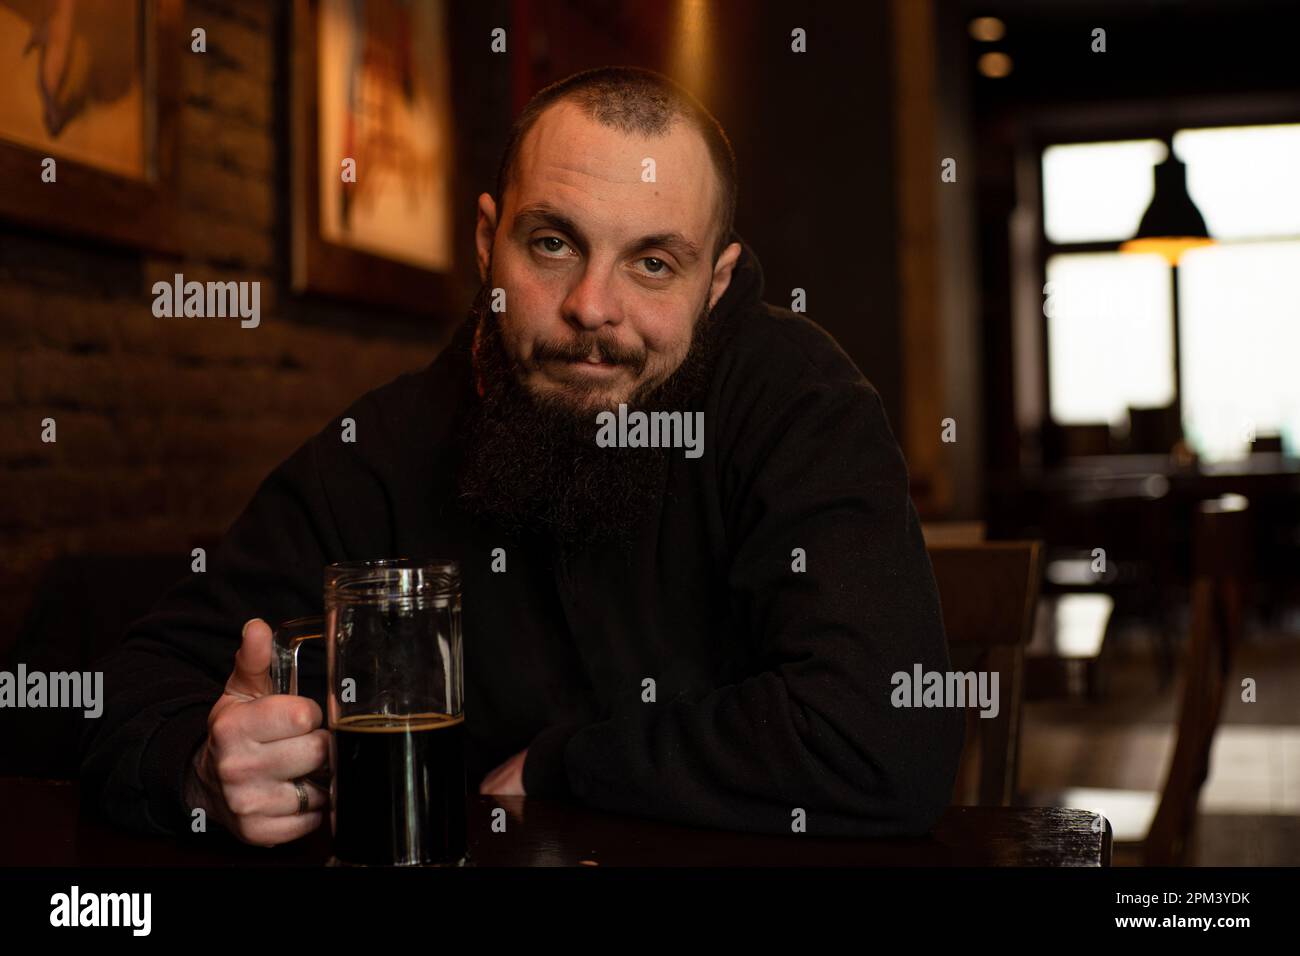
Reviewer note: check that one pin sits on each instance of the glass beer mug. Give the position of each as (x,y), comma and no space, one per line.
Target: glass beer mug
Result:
(394,709)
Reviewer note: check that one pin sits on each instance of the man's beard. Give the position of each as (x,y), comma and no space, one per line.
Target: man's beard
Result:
(531,463)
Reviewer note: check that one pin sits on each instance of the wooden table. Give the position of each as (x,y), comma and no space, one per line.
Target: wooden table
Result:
(42,824)
(1064,653)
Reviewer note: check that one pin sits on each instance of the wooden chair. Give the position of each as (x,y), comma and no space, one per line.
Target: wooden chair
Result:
(953,532)
(1063,442)
(1156,829)
(988,593)
(1130,515)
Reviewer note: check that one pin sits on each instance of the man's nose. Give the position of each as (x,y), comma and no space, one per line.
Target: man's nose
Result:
(593,300)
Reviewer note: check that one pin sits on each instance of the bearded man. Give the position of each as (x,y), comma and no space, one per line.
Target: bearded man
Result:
(705,638)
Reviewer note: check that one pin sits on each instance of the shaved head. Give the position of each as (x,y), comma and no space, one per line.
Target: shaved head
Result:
(636,102)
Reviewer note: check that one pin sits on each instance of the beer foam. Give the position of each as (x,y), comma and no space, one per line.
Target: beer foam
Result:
(395,723)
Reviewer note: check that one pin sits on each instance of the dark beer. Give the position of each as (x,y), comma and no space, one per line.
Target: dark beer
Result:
(399,789)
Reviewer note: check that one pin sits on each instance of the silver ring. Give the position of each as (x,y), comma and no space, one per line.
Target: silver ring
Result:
(301,787)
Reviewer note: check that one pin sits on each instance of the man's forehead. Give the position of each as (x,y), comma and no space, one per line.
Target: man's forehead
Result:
(570,160)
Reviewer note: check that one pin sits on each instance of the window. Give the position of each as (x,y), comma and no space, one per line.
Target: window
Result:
(1110,315)
(1109,338)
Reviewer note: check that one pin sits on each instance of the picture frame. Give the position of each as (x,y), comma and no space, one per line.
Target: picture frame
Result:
(405,259)
(103,186)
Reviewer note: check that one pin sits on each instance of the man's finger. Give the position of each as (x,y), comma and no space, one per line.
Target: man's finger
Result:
(286,799)
(277,717)
(252,675)
(272,831)
(297,756)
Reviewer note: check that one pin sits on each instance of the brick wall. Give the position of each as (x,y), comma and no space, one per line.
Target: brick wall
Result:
(166,426)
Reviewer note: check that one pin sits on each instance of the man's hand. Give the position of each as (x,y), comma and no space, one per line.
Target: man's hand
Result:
(508,778)
(258,743)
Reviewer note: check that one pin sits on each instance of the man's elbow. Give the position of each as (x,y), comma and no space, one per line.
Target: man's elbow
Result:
(918,817)
(906,783)
(924,775)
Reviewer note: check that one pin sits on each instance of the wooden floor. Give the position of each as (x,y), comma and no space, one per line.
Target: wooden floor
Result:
(1250,805)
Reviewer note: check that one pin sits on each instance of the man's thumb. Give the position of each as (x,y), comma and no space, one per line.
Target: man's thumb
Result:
(252,674)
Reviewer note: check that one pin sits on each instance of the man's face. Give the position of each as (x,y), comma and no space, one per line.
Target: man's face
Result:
(605,275)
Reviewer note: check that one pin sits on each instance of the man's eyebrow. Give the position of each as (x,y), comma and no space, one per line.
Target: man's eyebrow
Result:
(544,214)
(685,250)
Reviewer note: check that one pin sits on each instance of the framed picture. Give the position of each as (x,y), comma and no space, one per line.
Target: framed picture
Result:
(373,153)
(91,85)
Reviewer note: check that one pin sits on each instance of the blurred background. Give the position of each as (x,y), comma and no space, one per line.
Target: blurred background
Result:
(1062,239)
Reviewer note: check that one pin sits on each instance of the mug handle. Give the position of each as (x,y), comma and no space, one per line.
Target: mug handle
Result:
(285,642)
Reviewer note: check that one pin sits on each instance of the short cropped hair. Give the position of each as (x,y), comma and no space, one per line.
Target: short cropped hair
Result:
(635,101)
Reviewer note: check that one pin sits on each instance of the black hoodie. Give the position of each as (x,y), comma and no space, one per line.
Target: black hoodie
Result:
(771,596)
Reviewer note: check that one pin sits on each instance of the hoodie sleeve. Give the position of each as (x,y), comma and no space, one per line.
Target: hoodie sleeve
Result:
(806,474)
(162,681)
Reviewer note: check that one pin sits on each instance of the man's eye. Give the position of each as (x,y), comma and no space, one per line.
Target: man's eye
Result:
(656,266)
(559,244)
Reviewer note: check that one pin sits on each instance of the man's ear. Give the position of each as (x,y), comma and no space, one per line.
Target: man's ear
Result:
(484,233)
(722,273)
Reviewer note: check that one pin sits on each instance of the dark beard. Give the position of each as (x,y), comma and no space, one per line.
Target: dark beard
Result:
(531,463)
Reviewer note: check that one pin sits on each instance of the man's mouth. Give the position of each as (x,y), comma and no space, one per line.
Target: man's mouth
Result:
(593,362)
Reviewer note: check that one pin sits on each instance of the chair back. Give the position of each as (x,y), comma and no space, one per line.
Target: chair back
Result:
(989,592)
(1221,571)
